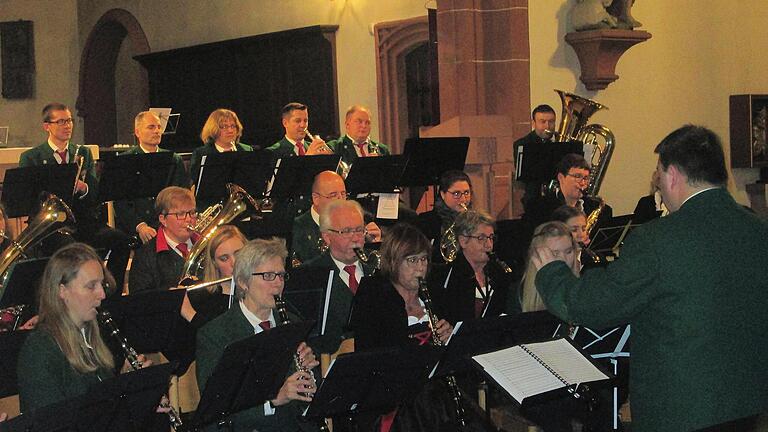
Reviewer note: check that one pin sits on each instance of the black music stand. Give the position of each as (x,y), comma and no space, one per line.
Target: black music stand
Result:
(537,162)
(10,346)
(151,321)
(23,283)
(611,234)
(428,158)
(134,176)
(126,402)
(375,174)
(23,187)
(294,175)
(250,372)
(373,382)
(249,170)
(307,293)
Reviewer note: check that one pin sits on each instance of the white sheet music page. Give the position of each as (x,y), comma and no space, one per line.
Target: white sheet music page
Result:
(522,376)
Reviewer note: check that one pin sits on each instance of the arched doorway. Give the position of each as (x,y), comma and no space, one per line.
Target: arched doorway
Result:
(113,86)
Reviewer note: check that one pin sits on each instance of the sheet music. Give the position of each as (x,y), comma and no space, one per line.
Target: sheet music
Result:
(522,375)
(388,206)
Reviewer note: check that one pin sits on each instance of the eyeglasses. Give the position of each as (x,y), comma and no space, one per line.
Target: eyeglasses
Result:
(349,232)
(482,237)
(580,177)
(333,195)
(227,126)
(61,122)
(270,276)
(458,194)
(413,260)
(184,214)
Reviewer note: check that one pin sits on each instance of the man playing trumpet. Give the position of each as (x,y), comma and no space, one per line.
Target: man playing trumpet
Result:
(296,122)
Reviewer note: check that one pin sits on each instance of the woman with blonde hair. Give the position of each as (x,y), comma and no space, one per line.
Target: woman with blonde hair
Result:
(221,133)
(558,238)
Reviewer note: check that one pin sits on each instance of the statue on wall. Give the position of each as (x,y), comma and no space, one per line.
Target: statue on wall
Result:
(603,14)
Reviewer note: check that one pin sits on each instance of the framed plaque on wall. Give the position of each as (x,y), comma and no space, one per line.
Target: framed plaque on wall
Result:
(17,49)
(749,134)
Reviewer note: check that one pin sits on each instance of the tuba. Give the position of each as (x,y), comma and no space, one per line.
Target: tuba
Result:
(209,222)
(53,214)
(574,127)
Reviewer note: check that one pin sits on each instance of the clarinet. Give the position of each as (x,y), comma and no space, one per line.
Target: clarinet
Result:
(105,318)
(449,379)
(282,317)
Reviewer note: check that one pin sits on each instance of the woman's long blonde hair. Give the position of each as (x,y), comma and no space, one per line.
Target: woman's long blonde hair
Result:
(224,233)
(530,299)
(54,318)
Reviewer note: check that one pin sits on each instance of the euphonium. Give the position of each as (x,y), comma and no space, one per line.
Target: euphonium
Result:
(574,127)
(449,243)
(105,318)
(209,222)
(425,297)
(53,214)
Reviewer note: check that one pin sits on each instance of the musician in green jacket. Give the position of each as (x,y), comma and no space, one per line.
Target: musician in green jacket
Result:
(259,276)
(357,141)
(694,287)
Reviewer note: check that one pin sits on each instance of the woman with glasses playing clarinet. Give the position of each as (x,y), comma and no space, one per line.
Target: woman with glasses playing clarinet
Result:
(65,355)
(259,276)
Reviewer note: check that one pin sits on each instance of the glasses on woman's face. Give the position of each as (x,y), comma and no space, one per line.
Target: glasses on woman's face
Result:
(415,260)
(459,194)
(482,237)
(270,276)
(228,126)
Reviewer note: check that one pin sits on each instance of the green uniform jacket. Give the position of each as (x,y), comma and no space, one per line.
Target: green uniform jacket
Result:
(46,377)
(284,148)
(336,326)
(346,148)
(694,287)
(212,339)
(129,213)
(305,237)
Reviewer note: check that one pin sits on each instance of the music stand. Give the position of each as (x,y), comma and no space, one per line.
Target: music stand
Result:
(537,162)
(23,283)
(307,294)
(375,174)
(151,322)
(10,346)
(22,187)
(428,158)
(123,403)
(373,381)
(132,176)
(249,170)
(611,234)
(250,372)
(294,175)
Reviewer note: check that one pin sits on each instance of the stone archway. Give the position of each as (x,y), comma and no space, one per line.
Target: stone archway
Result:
(104,54)
(394,41)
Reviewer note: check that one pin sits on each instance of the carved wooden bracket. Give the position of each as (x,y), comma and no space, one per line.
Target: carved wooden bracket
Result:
(600,50)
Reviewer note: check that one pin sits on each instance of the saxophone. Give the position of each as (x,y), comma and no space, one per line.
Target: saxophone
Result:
(449,379)
(449,243)
(105,318)
(282,317)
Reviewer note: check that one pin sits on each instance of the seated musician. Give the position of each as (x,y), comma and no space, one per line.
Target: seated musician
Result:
(65,354)
(210,302)
(137,216)
(573,174)
(341,224)
(387,312)
(357,142)
(160,262)
(260,276)
(473,285)
(455,197)
(576,220)
(59,149)
(307,242)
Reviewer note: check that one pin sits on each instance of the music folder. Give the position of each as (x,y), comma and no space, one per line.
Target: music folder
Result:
(428,158)
(22,284)
(250,372)
(534,372)
(537,162)
(375,174)
(131,176)
(126,402)
(23,188)
(294,176)
(248,169)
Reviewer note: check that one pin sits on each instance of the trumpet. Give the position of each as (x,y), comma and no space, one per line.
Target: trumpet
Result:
(80,161)
(324,148)
(105,318)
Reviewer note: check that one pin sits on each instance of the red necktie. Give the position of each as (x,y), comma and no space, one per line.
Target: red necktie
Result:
(300,147)
(352,279)
(182,247)
(265,325)
(362,146)
(63,155)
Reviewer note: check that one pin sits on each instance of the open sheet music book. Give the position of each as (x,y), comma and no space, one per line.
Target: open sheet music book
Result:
(528,370)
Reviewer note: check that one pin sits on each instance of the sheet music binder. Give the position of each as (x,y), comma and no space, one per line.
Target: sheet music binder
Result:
(131,176)
(541,362)
(537,162)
